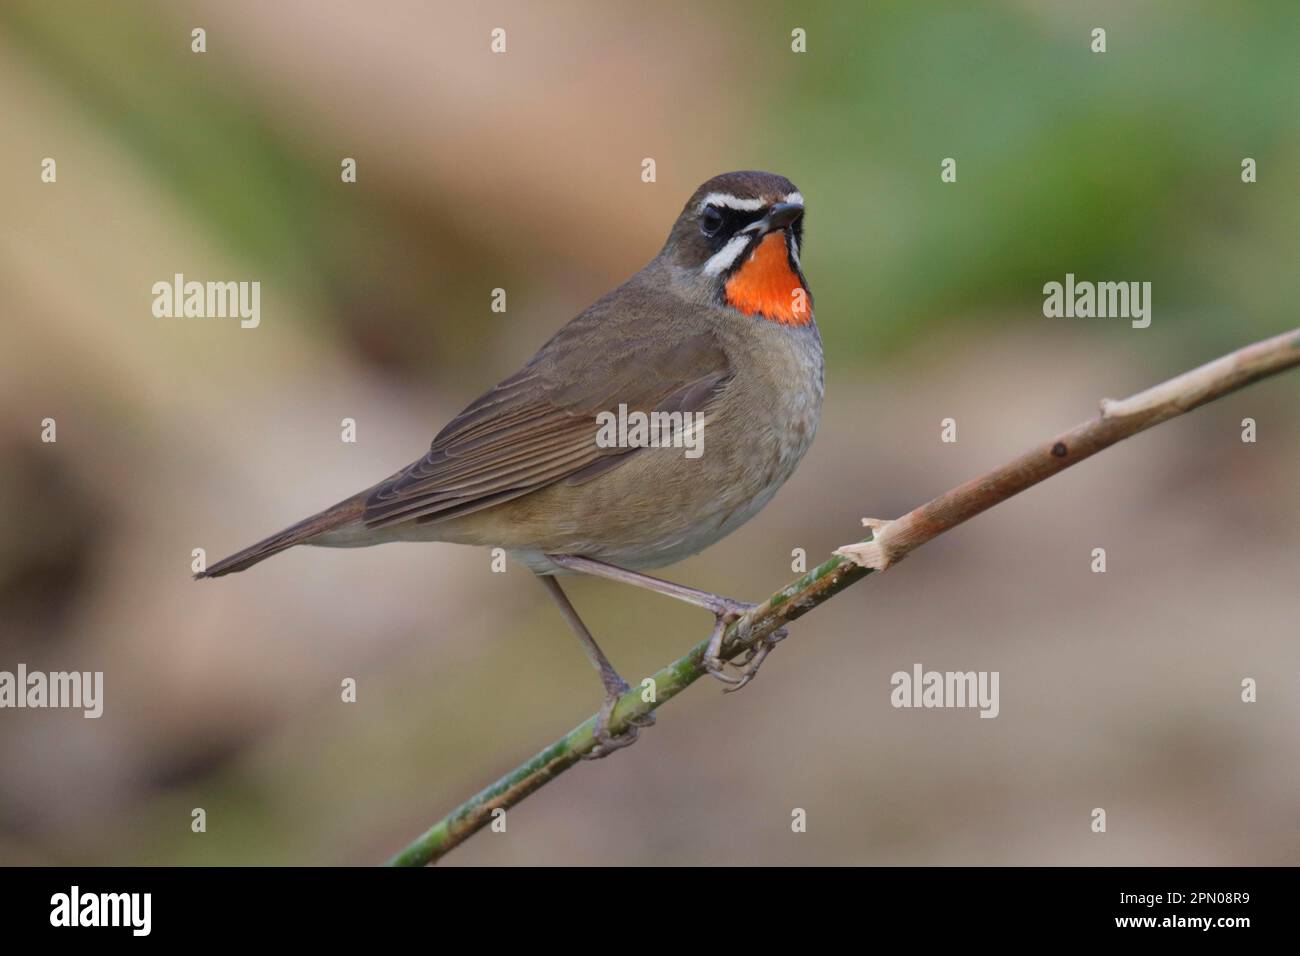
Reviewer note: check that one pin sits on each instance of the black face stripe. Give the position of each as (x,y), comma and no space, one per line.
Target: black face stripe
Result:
(733,220)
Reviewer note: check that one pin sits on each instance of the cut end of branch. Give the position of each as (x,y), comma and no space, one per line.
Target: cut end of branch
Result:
(1117,408)
(874,554)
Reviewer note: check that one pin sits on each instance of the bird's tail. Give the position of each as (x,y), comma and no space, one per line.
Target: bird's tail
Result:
(301,533)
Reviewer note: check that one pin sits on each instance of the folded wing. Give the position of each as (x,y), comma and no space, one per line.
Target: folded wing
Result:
(539,426)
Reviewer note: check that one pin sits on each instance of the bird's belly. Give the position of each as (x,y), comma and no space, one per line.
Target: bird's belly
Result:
(661,507)
(669,530)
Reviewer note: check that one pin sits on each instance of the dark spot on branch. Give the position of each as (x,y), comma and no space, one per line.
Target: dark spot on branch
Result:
(1059,450)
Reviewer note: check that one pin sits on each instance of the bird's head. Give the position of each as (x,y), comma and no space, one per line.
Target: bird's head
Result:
(737,243)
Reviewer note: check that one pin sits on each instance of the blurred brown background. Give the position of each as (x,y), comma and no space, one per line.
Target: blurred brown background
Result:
(1119,690)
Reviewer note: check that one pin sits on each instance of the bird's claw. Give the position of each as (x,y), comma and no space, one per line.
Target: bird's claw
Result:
(755,656)
(747,668)
(607,743)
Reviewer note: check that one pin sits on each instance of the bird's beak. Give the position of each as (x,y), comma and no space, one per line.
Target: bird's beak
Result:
(778,216)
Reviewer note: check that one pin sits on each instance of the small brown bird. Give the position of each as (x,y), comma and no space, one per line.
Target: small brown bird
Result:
(566,464)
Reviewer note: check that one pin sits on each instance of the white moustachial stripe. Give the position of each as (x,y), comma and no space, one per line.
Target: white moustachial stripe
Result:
(724,258)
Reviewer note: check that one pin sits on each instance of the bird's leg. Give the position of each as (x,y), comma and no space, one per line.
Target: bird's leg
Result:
(724,609)
(716,603)
(615,686)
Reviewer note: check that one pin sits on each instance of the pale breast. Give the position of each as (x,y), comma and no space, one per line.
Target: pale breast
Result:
(753,442)
(777,410)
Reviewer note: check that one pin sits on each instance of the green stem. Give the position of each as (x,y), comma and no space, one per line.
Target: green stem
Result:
(791,602)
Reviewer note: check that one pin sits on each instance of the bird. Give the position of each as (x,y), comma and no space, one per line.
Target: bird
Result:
(714,342)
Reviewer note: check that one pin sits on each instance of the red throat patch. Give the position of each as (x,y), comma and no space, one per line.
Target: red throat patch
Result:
(767,286)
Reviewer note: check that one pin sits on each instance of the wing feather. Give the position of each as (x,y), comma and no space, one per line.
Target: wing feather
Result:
(539,425)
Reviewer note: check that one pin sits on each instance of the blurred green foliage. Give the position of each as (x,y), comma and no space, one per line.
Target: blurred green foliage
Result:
(1123,165)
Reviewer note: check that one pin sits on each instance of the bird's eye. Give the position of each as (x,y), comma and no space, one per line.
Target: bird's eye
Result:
(710,221)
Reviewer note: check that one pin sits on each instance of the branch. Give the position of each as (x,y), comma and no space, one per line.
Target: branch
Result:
(889,542)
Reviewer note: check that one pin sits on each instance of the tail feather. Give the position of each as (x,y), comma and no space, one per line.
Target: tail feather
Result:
(300,533)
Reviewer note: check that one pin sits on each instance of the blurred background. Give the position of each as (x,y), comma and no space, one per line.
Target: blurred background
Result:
(523,171)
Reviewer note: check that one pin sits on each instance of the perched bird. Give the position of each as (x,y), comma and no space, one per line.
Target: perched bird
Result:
(719,328)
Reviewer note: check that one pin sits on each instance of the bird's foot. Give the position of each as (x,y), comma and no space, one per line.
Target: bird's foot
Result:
(606,742)
(727,612)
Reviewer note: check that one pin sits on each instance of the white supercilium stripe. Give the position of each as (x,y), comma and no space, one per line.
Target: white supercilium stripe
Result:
(728,201)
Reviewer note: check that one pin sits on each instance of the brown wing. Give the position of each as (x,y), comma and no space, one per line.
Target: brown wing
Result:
(539,425)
